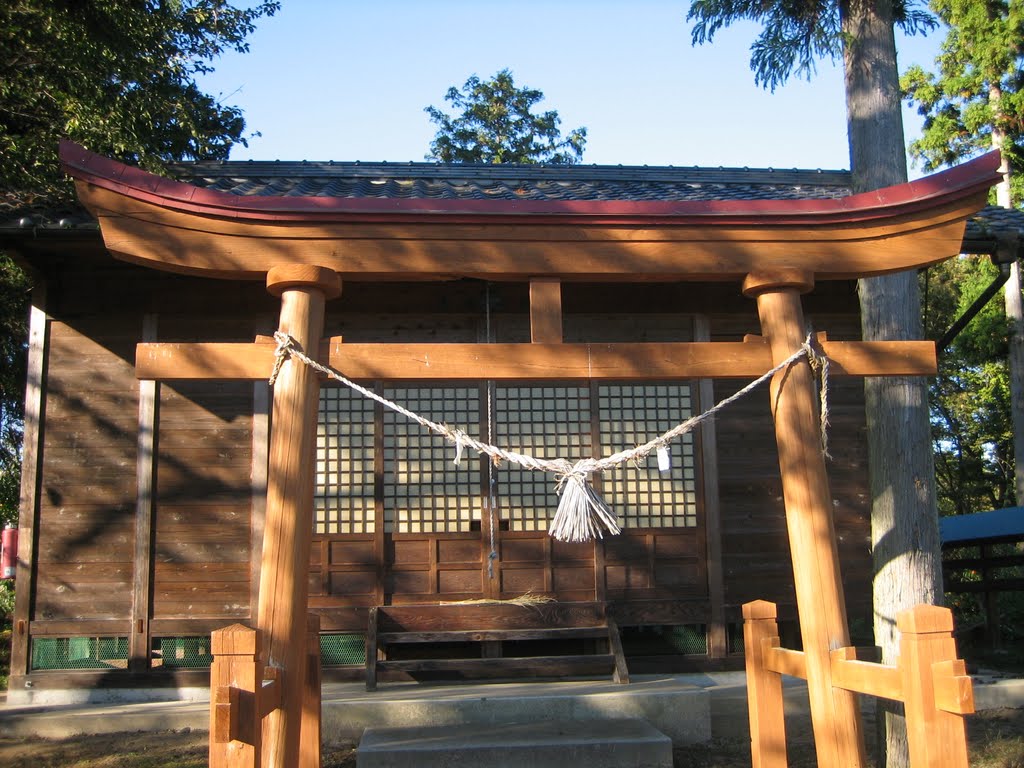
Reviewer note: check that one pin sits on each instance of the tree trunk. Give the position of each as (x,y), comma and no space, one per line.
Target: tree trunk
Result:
(1014,310)
(904,521)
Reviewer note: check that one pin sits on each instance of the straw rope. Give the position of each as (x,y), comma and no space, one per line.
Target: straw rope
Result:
(582,514)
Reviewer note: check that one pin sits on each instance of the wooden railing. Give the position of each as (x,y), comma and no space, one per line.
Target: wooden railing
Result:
(244,690)
(928,678)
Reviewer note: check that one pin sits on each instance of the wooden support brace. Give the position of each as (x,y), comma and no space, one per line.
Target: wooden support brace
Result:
(546,311)
(864,676)
(783,660)
(954,690)
(226,705)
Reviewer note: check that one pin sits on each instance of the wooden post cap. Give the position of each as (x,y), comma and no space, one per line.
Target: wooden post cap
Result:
(759,609)
(285,276)
(925,619)
(236,640)
(777,279)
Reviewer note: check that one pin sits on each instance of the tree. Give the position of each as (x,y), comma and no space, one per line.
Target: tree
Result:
(904,525)
(970,397)
(497,125)
(116,75)
(975,102)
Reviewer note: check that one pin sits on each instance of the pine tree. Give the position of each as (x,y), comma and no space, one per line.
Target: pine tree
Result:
(904,525)
(497,125)
(974,102)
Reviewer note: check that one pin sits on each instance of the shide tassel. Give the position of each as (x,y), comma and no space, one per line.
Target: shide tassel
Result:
(582,514)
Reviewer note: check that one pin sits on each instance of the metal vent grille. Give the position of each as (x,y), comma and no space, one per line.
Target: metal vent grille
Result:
(342,650)
(183,652)
(79,653)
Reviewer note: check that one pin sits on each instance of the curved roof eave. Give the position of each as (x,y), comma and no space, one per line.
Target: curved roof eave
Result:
(137,184)
(179,227)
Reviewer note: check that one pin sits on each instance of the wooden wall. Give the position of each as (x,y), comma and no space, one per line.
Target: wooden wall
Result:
(204,520)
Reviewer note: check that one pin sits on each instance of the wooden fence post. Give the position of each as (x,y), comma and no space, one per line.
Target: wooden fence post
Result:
(764,688)
(936,689)
(309,746)
(236,677)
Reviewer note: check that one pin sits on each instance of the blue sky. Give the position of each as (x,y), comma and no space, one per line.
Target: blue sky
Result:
(348,80)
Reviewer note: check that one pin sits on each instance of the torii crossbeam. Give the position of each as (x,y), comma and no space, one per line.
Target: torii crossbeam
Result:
(305,247)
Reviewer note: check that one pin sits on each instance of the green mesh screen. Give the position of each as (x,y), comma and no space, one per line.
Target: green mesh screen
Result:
(338,650)
(686,639)
(734,637)
(79,652)
(183,652)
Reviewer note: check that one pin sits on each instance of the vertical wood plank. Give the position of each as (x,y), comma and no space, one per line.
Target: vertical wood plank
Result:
(371,650)
(31,464)
(936,739)
(288,531)
(380,551)
(546,311)
(309,754)
(139,639)
(707,450)
(764,688)
(258,513)
(835,713)
(597,545)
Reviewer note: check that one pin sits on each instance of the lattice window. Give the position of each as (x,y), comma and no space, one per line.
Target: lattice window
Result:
(343,497)
(644,497)
(551,422)
(424,492)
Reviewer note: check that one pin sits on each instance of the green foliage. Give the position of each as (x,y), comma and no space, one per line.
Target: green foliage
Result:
(13,309)
(496,125)
(117,76)
(970,397)
(977,87)
(794,34)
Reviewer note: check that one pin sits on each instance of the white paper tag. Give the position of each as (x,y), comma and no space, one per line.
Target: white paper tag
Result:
(664,461)
(458,452)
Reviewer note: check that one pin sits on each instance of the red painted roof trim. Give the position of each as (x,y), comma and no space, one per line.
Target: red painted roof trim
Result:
(134,183)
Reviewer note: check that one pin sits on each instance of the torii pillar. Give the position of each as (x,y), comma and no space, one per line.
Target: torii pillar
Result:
(835,715)
(287,536)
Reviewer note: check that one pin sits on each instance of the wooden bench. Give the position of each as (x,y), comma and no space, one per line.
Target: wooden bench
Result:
(488,624)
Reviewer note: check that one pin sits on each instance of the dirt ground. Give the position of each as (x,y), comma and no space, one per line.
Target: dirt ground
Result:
(996,738)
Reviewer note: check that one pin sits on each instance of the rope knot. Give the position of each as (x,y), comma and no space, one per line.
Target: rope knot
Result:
(285,348)
(819,363)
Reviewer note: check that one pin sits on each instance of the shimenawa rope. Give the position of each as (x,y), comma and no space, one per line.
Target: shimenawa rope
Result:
(582,514)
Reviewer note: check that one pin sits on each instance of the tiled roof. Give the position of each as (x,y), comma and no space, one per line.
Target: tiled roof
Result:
(511,182)
(499,182)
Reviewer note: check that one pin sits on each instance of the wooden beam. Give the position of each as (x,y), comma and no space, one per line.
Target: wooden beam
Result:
(546,311)
(145,471)
(31,466)
(505,362)
(707,444)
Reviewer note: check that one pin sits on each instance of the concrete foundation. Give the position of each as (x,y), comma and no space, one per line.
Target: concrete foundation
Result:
(679,709)
(593,743)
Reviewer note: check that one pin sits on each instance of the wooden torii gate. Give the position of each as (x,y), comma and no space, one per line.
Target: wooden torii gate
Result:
(305,247)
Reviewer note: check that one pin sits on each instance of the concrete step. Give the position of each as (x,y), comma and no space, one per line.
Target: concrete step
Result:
(591,743)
